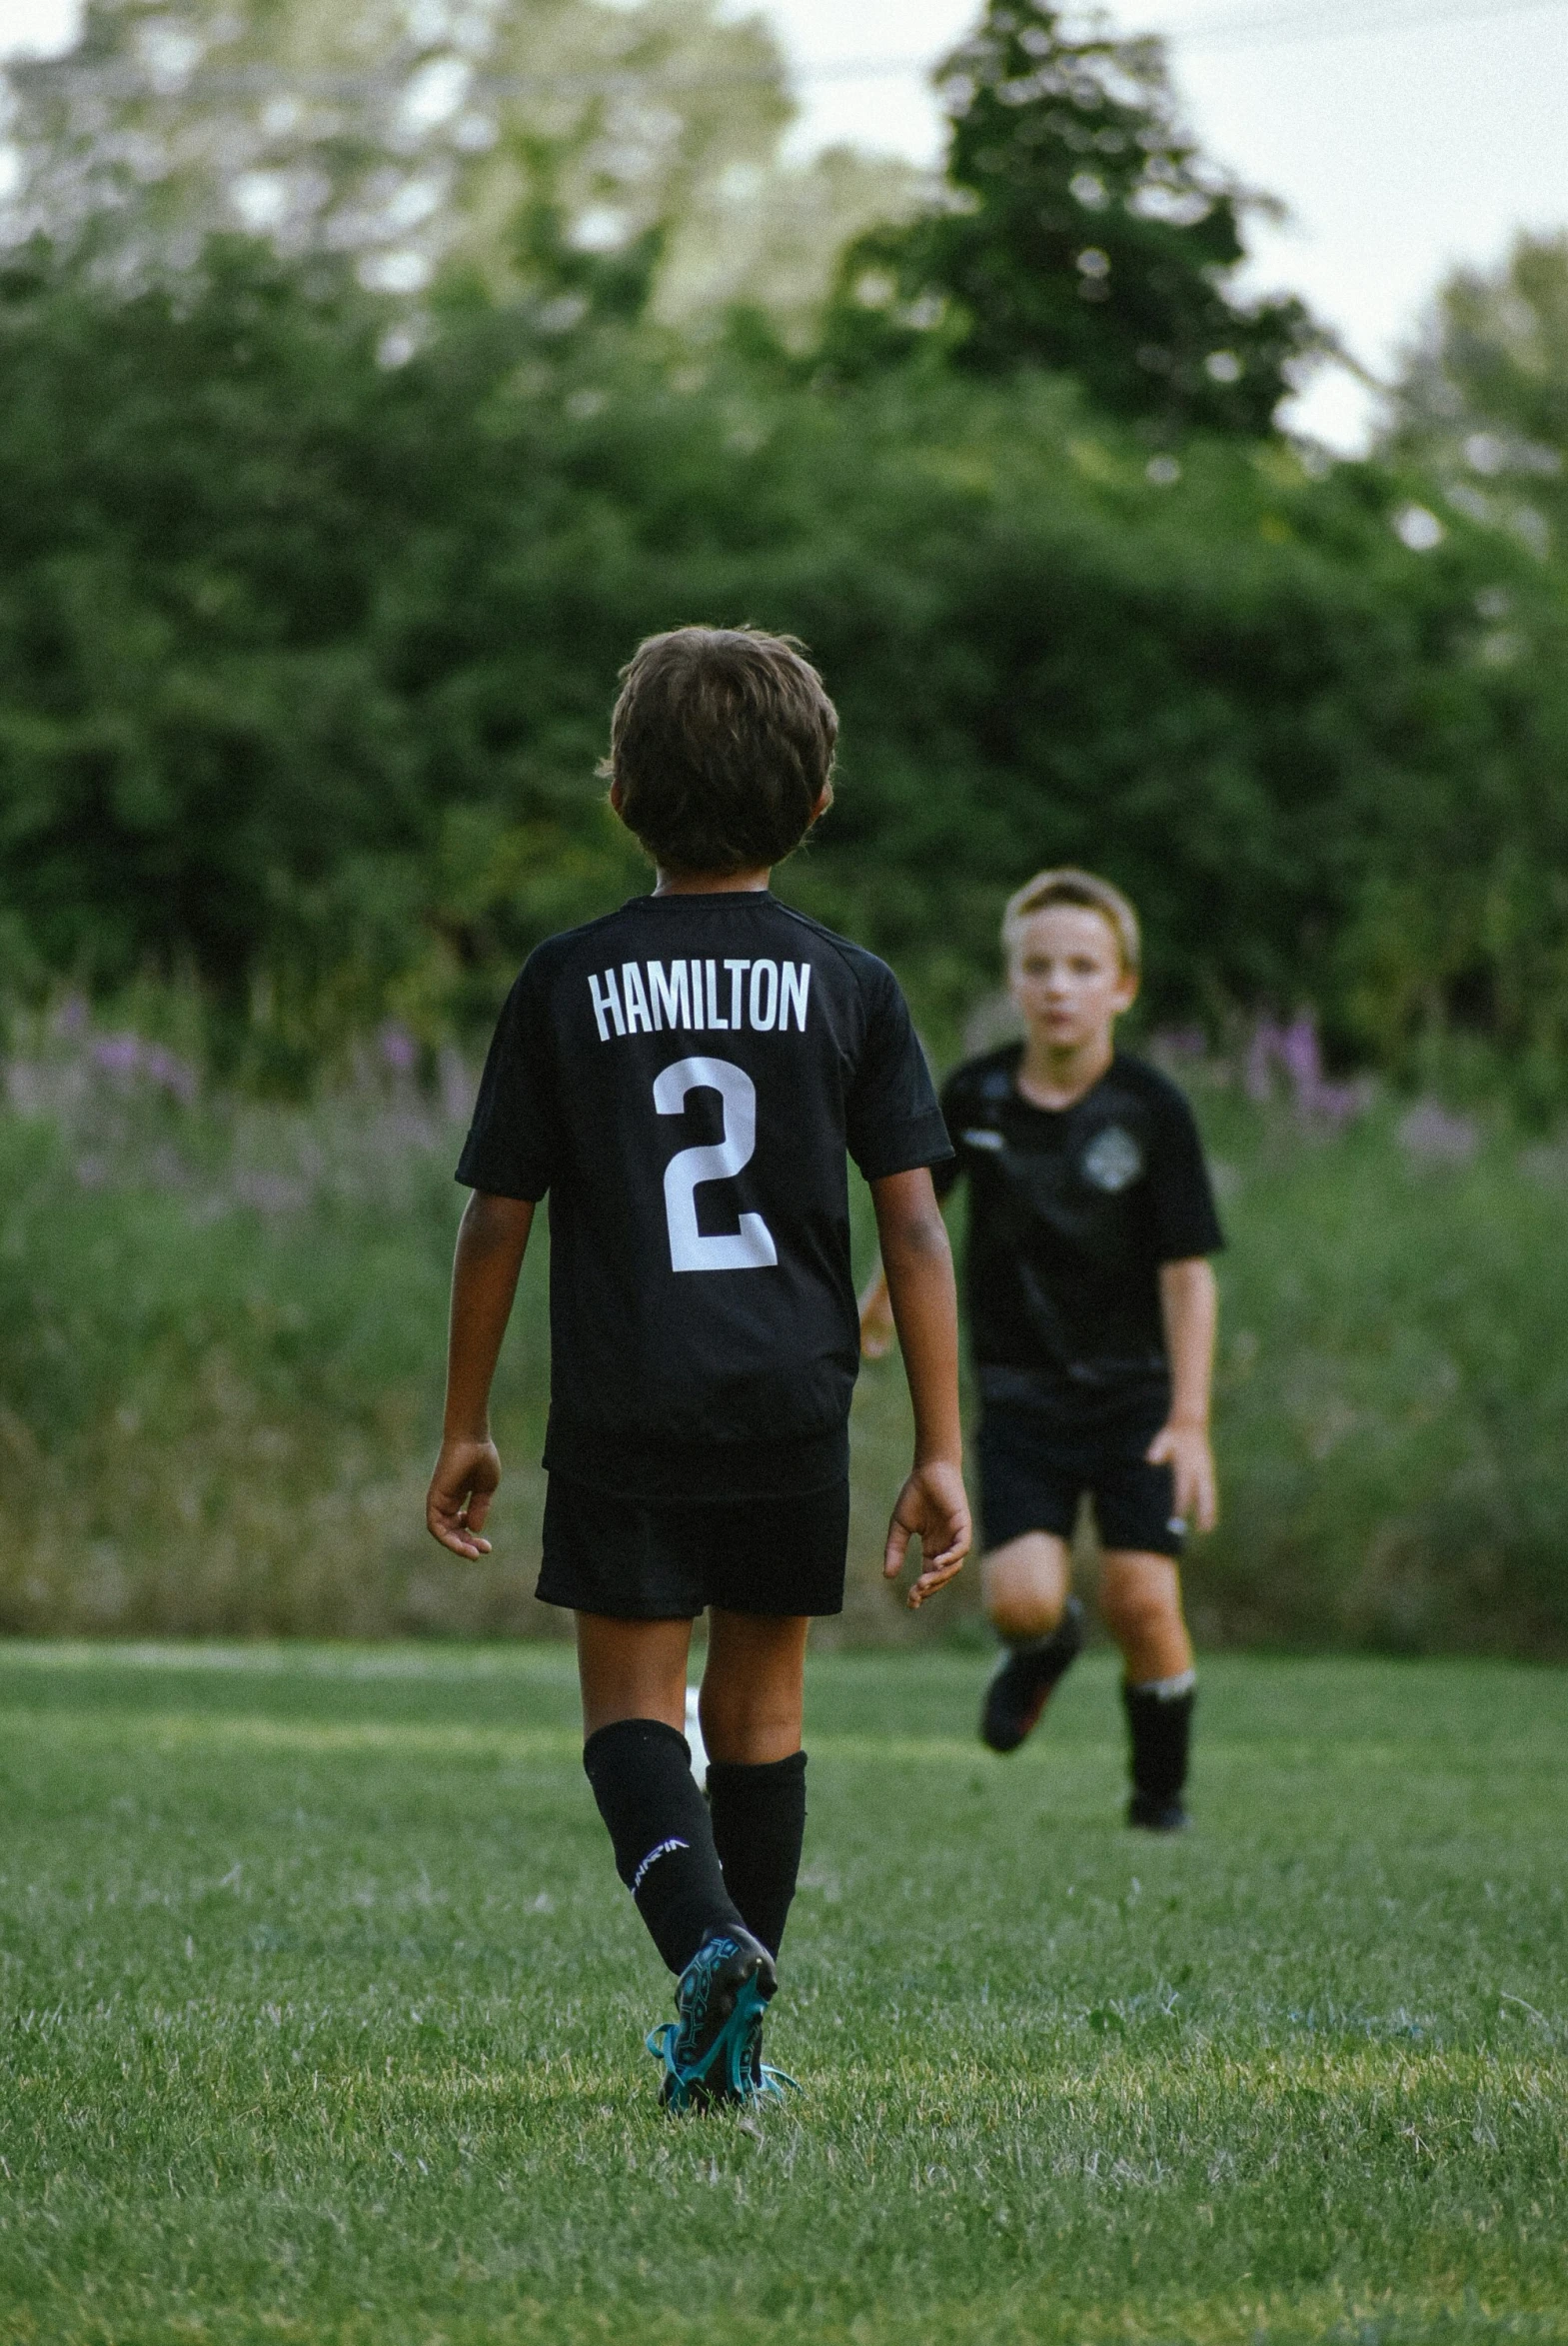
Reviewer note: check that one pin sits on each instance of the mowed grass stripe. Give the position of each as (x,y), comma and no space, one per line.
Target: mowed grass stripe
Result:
(320,2018)
(175,1730)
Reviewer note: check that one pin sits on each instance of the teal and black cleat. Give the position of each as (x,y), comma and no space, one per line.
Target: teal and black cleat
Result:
(713,2052)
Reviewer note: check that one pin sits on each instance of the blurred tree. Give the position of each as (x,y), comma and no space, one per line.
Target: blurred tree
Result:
(1084,231)
(770,241)
(305,662)
(1483,397)
(524,141)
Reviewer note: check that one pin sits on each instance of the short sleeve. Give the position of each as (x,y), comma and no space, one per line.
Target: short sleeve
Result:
(512,1144)
(892,1123)
(946,1176)
(1185,1221)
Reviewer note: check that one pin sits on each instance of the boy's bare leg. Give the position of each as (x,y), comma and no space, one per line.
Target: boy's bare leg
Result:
(1141,1599)
(1025,1585)
(632,1671)
(754,1686)
(753,1694)
(1140,1603)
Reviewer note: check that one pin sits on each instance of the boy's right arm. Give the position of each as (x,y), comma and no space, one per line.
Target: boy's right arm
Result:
(918,1268)
(492,1241)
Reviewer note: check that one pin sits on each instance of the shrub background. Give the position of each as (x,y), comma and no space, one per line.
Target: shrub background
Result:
(220,1390)
(305,662)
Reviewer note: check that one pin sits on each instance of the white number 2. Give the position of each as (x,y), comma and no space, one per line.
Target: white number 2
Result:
(751,1248)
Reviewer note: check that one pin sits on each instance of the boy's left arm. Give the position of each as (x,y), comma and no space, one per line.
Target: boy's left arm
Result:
(492,1241)
(1189,1304)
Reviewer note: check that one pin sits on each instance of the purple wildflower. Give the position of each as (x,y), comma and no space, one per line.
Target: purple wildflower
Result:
(1262,1051)
(1297,1050)
(118,1054)
(174,1075)
(397,1048)
(1431,1136)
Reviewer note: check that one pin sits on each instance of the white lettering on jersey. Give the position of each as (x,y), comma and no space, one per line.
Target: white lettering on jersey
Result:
(797,983)
(668,995)
(760,970)
(751,1248)
(637,1000)
(777,992)
(609,1001)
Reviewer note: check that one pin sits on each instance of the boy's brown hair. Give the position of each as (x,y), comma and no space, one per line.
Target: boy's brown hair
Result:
(721,742)
(1068,886)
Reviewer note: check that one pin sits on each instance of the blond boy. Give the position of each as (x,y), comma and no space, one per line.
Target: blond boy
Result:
(1091,1317)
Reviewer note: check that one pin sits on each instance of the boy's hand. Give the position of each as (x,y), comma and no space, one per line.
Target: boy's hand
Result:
(933,1508)
(460,1490)
(1185,1451)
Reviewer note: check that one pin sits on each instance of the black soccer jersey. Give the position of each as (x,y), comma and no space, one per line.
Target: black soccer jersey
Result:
(1071,1212)
(684,1078)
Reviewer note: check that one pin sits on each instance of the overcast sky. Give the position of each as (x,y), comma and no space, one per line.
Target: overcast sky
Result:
(1404,135)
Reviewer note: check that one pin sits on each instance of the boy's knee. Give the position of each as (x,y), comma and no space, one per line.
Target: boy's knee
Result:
(1018,1614)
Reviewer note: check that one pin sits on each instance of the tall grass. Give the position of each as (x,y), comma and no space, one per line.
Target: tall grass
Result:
(219,1373)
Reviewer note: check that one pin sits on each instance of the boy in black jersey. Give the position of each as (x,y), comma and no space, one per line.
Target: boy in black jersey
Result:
(684,1077)
(1092,1312)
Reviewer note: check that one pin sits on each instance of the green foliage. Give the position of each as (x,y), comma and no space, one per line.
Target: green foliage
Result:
(305,660)
(311,603)
(1483,399)
(407,137)
(223,1347)
(1390,1385)
(229,744)
(327,2008)
(1081,231)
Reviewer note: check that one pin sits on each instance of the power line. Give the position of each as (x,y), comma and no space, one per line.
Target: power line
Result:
(1279,26)
(1289,26)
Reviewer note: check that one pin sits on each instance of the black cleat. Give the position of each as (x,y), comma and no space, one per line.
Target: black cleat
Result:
(1150,1815)
(1025,1679)
(713,2052)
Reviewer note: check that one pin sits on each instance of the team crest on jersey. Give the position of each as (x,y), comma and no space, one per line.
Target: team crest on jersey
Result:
(1112,1159)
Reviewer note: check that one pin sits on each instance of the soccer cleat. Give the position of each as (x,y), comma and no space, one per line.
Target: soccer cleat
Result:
(1025,1679)
(1152,1815)
(767,2084)
(713,2052)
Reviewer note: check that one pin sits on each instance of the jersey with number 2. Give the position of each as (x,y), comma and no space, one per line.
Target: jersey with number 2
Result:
(684,1078)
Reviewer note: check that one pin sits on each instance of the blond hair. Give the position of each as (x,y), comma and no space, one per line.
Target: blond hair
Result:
(1072,887)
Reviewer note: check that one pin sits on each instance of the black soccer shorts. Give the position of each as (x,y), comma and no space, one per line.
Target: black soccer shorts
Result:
(669,1560)
(1034,1472)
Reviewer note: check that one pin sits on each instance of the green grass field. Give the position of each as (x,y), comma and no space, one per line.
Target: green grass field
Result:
(323,2015)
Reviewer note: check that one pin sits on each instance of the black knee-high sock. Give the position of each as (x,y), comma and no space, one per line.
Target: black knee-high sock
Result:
(758,1822)
(1159,1724)
(641,1771)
